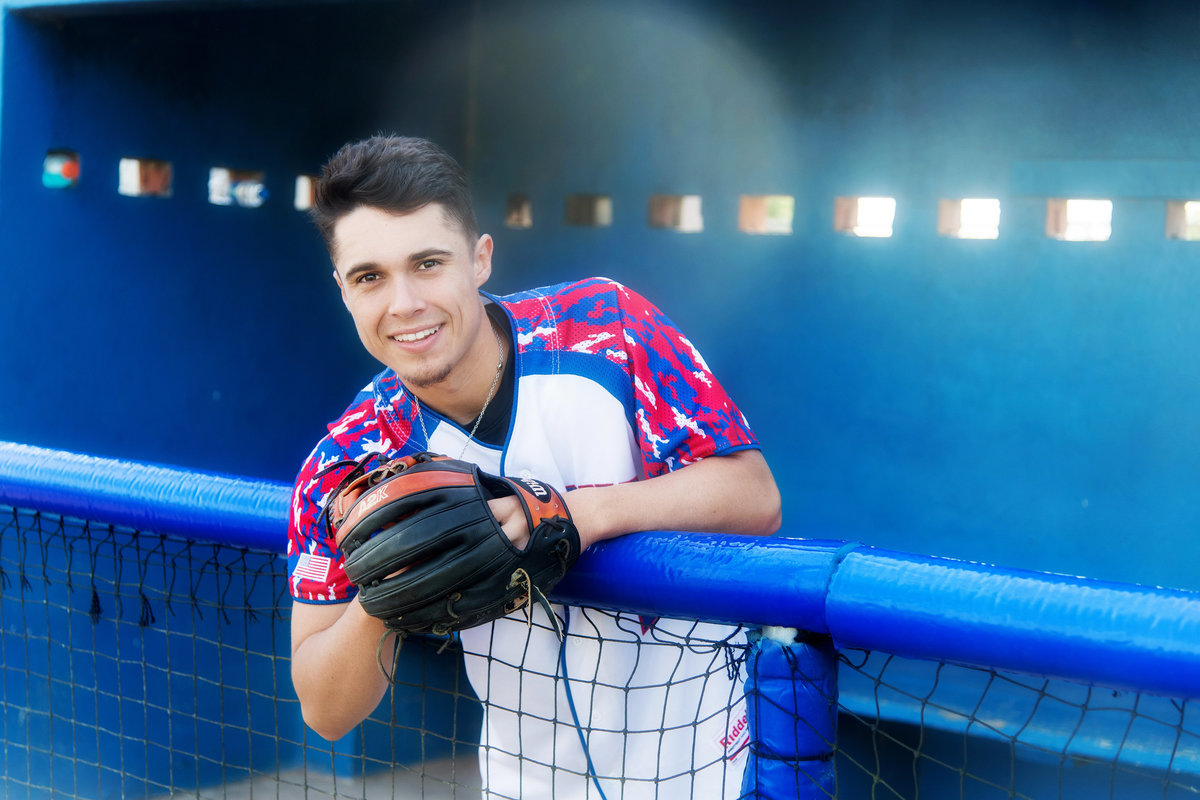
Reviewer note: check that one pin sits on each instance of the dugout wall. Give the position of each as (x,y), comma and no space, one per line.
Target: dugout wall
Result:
(917,392)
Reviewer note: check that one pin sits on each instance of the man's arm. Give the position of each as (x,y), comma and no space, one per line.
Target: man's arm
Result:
(720,494)
(335,666)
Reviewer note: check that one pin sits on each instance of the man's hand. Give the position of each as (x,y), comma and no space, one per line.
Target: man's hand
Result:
(511,516)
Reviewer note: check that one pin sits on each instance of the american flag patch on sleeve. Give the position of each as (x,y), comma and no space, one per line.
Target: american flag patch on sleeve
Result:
(312,567)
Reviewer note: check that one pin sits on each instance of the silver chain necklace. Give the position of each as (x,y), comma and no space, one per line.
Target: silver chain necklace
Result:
(491,393)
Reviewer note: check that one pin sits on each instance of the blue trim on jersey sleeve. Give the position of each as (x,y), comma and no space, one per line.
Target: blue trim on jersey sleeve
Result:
(728,451)
(595,368)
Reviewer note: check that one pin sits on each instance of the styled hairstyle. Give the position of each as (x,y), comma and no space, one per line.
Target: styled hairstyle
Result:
(397,174)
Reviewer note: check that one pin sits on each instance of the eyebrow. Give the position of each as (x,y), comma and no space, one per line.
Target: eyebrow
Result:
(428,252)
(360,268)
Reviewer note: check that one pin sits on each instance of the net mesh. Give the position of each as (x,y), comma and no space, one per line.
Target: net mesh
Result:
(628,706)
(143,665)
(917,728)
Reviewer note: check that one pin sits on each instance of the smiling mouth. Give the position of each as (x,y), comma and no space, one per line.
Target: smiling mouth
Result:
(417,336)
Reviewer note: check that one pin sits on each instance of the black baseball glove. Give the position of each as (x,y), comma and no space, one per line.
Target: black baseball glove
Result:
(427,554)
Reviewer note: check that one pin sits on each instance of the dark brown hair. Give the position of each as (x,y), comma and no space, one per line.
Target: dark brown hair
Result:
(397,174)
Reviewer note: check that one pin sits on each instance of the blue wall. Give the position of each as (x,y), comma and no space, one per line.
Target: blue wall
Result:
(173,330)
(1022,401)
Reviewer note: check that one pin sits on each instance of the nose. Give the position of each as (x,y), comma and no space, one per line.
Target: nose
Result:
(405,298)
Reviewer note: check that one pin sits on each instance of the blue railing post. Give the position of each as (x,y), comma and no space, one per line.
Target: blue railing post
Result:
(791,695)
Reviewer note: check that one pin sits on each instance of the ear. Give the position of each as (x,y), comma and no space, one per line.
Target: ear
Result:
(483,259)
(341,287)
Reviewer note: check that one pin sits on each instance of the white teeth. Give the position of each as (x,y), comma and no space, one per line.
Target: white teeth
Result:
(418,336)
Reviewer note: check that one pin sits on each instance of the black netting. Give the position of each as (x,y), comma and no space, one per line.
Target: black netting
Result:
(929,729)
(143,665)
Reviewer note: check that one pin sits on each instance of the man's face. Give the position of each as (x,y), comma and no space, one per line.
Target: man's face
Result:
(410,282)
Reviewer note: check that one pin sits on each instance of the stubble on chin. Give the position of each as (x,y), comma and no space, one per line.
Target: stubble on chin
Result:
(425,378)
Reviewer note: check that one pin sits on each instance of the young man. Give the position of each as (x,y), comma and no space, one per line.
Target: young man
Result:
(585,386)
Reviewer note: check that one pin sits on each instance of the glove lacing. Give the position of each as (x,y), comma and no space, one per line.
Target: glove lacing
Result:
(521,578)
(391,676)
(444,628)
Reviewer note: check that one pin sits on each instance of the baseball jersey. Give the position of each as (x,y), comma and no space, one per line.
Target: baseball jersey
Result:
(607,390)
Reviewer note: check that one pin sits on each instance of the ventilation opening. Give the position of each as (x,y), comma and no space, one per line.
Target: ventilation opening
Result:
(593,210)
(1183,220)
(144,177)
(676,212)
(518,211)
(870,217)
(969,219)
(60,169)
(230,187)
(766,213)
(1079,220)
(306,192)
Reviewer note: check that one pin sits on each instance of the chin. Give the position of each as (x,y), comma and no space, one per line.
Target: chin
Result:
(423,379)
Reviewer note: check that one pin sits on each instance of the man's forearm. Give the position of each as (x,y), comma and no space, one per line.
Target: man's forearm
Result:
(335,669)
(721,494)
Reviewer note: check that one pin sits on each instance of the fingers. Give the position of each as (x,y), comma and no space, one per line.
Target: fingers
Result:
(509,514)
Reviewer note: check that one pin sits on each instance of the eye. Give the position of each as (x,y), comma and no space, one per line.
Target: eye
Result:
(367,277)
(427,264)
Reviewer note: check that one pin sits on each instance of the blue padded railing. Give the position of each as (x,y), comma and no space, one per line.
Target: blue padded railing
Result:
(229,509)
(1113,634)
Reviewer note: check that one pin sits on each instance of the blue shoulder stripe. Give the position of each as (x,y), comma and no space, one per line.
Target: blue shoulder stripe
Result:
(595,368)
